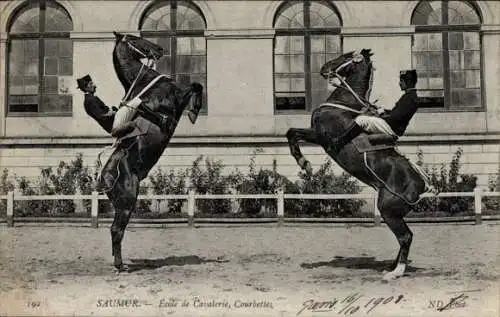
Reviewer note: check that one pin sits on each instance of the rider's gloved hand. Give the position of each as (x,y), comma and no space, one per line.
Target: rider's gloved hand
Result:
(380,110)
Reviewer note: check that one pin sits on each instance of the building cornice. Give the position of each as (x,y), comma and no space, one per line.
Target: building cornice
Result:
(378,31)
(99,35)
(240,34)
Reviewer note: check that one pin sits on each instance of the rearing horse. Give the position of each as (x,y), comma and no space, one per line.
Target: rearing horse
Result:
(139,150)
(386,170)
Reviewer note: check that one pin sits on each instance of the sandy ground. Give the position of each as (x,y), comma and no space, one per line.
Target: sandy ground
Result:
(322,270)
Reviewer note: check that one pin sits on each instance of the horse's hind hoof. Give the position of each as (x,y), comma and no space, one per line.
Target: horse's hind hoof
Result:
(121,268)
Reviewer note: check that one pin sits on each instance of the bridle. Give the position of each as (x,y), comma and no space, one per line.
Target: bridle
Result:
(152,60)
(357,58)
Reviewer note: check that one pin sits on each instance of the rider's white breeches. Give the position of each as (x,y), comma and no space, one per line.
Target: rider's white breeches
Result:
(126,112)
(374,125)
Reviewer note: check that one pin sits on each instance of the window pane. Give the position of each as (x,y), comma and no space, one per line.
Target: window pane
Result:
(66,66)
(282,63)
(57,19)
(291,16)
(317,60)
(456,60)
(290,101)
(435,41)
(191,45)
(322,16)
(51,66)
(436,82)
(281,83)
(473,78)
(188,18)
(427,42)
(319,91)
(164,42)
(50,85)
(457,79)
(462,12)
(471,41)
(297,63)
(427,13)
(289,45)
(456,41)
(27,20)
(157,18)
(164,65)
(289,82)
(420,60)
(435,60)
(420,42)
(26,103)
(289,63)
(465,98)
(56,103)
(430,93)
(190,64)
(318,43)
(333,44)
(472,59)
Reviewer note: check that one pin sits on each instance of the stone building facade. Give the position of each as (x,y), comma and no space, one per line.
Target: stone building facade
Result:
(258,61)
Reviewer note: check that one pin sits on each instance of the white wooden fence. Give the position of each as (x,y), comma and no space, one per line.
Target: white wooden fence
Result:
(280,197)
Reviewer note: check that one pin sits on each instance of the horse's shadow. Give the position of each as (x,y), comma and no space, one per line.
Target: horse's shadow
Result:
(153,264)
(358,263)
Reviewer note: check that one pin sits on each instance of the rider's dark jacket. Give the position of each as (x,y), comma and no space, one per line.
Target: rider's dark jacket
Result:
(399,117)
(99,111)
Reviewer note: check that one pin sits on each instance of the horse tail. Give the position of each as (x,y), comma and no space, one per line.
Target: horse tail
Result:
(195,101)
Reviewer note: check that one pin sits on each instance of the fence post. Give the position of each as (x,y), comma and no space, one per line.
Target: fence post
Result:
(94,209)
(191,204)
(478,192)
(10,209)
(281,206)
(377,220)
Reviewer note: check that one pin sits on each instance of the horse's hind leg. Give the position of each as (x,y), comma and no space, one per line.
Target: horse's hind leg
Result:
(393,209)
(123,195)
(295,135)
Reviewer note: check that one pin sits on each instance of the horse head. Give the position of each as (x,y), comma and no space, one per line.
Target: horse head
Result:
(138,47)
(355,71)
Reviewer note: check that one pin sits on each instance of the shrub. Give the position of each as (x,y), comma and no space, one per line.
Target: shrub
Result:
(6,185)
(170,183)
(447,180)
(492,204)
(324,181)
(264,182)
(210,180)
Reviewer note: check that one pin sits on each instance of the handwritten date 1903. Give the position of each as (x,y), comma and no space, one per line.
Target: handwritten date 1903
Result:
(349,305)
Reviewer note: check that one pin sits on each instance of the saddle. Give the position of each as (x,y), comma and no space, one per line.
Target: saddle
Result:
(374,142)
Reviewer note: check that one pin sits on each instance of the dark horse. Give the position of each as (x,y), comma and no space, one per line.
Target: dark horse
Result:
(139,150)
(398,184)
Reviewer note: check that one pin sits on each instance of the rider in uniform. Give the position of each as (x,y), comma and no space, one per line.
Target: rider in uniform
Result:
(390,122)
(115,121)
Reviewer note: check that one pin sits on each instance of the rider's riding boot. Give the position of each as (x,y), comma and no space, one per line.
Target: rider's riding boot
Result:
(162,121)
(353,131)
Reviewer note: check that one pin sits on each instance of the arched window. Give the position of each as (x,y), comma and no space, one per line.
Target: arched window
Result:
(446,52)
(178,27)
(40,60)
(307,35)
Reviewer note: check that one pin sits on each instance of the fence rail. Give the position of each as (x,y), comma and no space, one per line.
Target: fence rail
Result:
(280,198)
